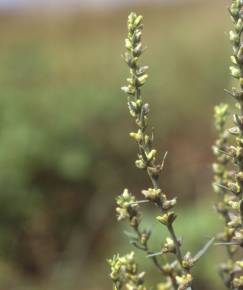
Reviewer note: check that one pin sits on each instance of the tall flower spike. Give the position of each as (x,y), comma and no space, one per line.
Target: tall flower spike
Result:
(221,182)
(176,273)
(228,169)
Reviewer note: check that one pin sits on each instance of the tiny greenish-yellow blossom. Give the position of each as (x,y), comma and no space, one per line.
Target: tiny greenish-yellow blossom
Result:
(164,286)
(239,25)
(124,272)
(220,115)
(238,282)
(125,201)
(152,194)
(239,176)
(140,164)
(233,59)
(238,237)
(184,281)
(188,261)
(234,37)
(234,187)
(151,154)
(138,20)
(169,246)
(235,221)
(142,79)
(167,268)
(168,204)
(235,72)
(136,136)
(166,219)
(240,264)
(234,204)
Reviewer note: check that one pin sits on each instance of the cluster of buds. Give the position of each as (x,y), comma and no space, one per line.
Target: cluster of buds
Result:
(127,208)
(168,247)
(160,199)
(176,271)
(184,281)
(228,169)
(124,273)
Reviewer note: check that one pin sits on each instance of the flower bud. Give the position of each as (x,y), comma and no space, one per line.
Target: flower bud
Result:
(235,72)
(167,268)
(218,168)
(164,286)
(238,237)
(136,136)
(128,89)
(240,55)
(138,50)
(234,37)
(167,219)
(169,246)
(238,282)
(140,164)
(152,194)
(184,281)
(240,264)
(234,187)
(169,204)
(128,44)
(235,222)
(233,59)
(188,261)
(146,108)
(151,154)
(131,17)
(138,21)
(142,79)
(234,131)
(134,221)
(145,237)
(239,176)
(239,25)
(137,36)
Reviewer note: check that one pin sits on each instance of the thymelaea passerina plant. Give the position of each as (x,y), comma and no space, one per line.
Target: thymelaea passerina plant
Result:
(174,265)
(228,168)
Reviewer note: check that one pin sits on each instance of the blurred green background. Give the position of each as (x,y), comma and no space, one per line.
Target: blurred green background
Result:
(65,153)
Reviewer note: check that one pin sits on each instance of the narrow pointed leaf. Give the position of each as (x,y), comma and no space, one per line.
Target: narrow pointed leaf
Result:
(203,250)
(130,235)
(154,254)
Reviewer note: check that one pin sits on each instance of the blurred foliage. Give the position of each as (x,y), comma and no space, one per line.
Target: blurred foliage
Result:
(64,149)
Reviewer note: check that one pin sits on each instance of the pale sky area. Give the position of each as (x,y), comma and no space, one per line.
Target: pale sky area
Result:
(60,3)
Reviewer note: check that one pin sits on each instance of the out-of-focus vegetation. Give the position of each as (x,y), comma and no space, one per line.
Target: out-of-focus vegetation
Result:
(64,149)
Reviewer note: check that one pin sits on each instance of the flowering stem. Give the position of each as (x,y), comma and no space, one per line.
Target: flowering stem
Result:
(169,225)
(178,272)
(147,155)
(177,245)
(230,175)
